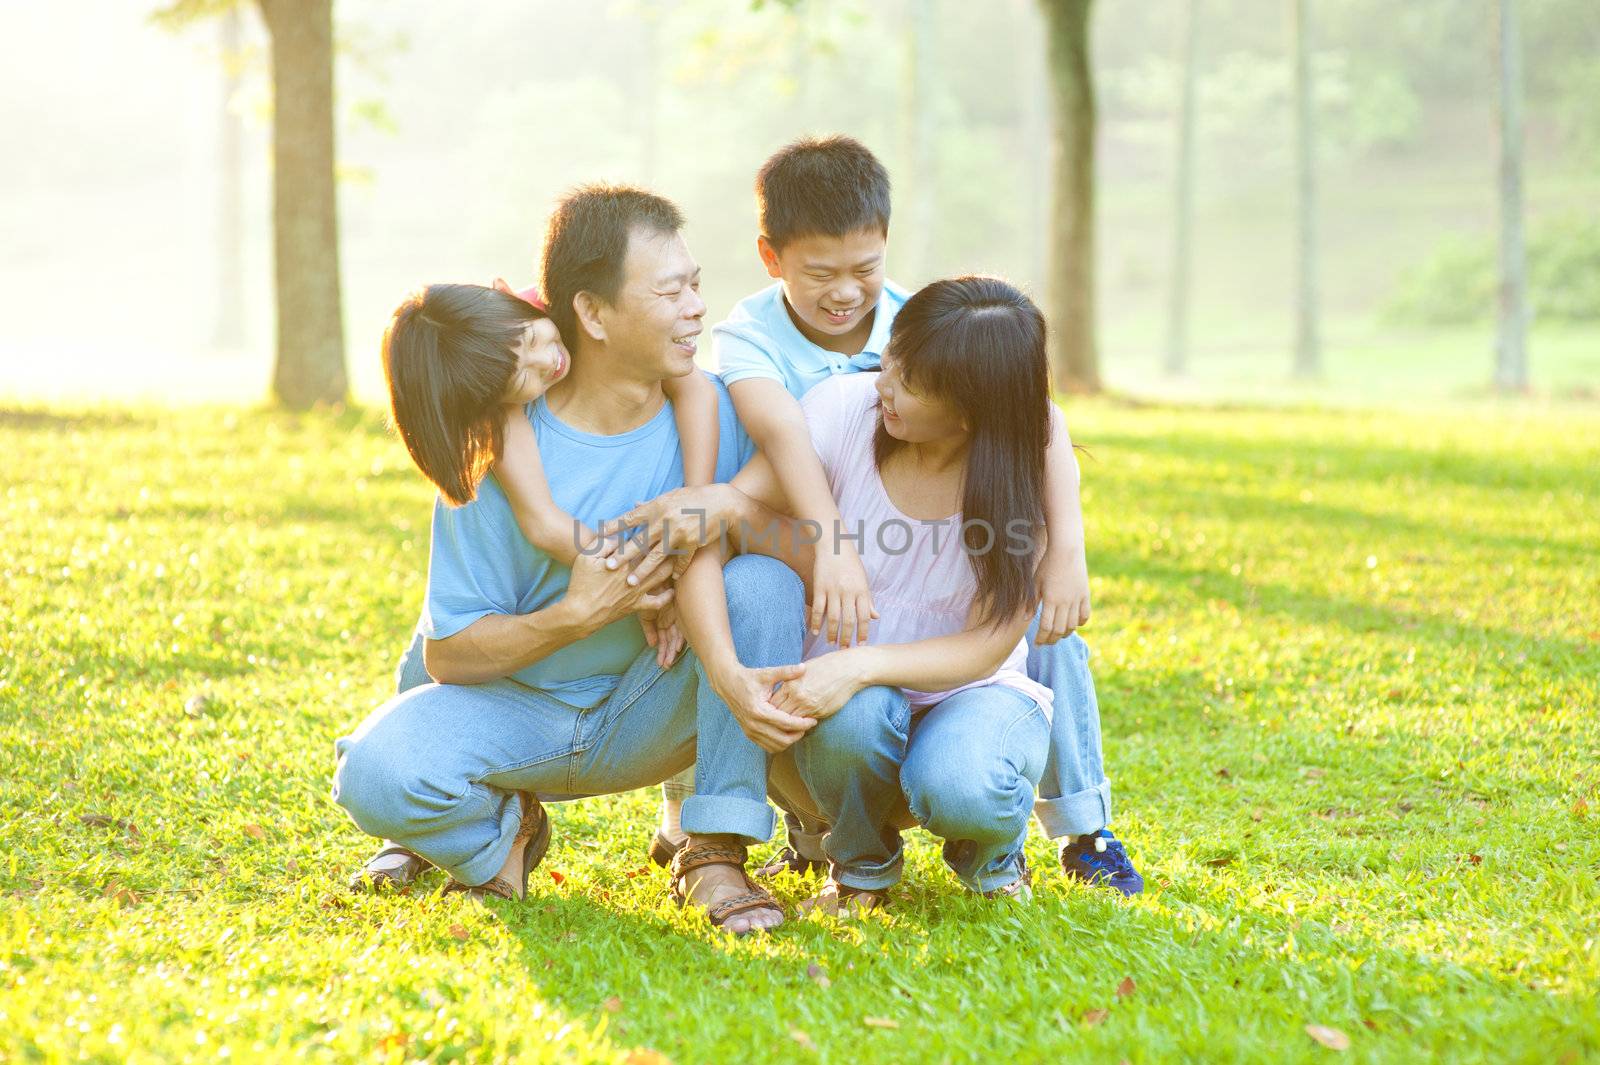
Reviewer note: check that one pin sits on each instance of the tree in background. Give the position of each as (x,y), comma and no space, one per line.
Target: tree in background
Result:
(1307,348)
(1072,227)
(310,365)
(1511,352)
(1178,305)
(228,325)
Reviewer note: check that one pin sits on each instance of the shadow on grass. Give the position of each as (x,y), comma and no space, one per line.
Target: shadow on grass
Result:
(48,421)
(1251,597)
(1325,457)
(1178,496)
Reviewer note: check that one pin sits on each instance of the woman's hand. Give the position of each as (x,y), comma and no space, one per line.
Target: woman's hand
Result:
(841,600)
(828,684)
(748,693)
(1062,581)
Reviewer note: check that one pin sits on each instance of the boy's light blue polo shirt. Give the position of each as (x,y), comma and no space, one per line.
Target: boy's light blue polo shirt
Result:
(480,564)
(759,340)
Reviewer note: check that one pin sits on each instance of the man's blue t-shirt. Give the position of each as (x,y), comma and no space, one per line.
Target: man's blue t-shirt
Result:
(480,564)
(758,339)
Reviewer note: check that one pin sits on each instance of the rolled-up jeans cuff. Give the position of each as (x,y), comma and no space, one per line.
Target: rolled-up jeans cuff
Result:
(725,815)
(1077,814)
(808,845)
(870,877)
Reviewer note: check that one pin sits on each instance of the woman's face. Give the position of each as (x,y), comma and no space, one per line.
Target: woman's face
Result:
(911,416)
(541,362)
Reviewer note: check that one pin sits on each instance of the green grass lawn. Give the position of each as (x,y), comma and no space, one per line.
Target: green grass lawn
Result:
(1349,668)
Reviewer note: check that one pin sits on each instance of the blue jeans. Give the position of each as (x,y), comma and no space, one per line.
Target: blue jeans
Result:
(434,769)
(1074,795)
(964,769)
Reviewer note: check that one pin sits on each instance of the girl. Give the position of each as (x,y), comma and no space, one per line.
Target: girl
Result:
(938,463)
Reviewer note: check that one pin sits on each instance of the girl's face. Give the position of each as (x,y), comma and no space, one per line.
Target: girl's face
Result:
(914,417)
(542,360)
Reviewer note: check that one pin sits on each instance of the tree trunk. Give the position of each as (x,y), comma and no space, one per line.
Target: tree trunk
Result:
(1033,151)
(1307,347)
(921,85)
(1178,307)
(1511,347)
(1072,224)
(228,326)
(310,363)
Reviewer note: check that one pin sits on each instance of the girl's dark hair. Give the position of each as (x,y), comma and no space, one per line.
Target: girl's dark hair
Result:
(978,344)
(448,356)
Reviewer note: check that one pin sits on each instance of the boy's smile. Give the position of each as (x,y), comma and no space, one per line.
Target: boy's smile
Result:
(831,285)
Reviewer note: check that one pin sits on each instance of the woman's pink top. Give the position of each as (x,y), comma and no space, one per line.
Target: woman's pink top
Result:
(921,578)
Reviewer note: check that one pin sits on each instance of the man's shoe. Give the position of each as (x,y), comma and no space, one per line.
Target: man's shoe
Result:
(1101,859)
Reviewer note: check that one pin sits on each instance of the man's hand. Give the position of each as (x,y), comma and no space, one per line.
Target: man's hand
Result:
(661,631)
(829,682)
(841,600)
(602,595)
(1062,581)
(675,525)
(748,693)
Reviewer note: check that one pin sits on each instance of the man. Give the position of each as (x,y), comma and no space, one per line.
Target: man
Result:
(546,686)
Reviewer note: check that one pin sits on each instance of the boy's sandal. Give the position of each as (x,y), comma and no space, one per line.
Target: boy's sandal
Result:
(790,860)
(690,858)
(842,900)
(533,836)
(662,849)
(391,868)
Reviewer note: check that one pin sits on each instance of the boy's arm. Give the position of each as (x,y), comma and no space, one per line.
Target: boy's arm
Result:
(840,595)
(694,408)
(521,474)
(1063,574)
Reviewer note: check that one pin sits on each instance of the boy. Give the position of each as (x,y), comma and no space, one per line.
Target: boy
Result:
(823,208)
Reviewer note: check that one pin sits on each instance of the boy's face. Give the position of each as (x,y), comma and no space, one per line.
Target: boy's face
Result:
(542,360)
(832,284)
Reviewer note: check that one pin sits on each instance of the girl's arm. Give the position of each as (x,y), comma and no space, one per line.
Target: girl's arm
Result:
(935,664)
(841,601)
(521,474)
(694,408)
(1063,575)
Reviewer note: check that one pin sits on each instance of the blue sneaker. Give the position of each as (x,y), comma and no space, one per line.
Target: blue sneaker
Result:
(1101,859)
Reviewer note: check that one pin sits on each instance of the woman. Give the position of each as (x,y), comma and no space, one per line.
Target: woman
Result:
(937,464)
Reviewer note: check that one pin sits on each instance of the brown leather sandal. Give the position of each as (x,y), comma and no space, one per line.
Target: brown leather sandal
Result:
(692,857)
(663,850)
(533,836)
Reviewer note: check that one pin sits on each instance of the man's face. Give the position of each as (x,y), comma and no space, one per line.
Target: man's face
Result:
(832,285)
(655,322)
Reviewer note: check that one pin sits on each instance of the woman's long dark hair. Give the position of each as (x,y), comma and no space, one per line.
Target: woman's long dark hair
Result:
(448,355)
(978,344)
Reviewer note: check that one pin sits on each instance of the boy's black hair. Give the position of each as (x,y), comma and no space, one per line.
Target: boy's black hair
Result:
(821,186)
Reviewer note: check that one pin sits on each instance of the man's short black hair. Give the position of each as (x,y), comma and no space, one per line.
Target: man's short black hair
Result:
(586,246)
(821,186)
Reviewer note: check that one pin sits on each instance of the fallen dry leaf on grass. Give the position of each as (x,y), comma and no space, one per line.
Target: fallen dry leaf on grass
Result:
(647,1057)
(1125,988)
(802,1038)
(880,1022)
(1331,1038)
(613,1004)
(458,932)
(1095,1017)
(255,831)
